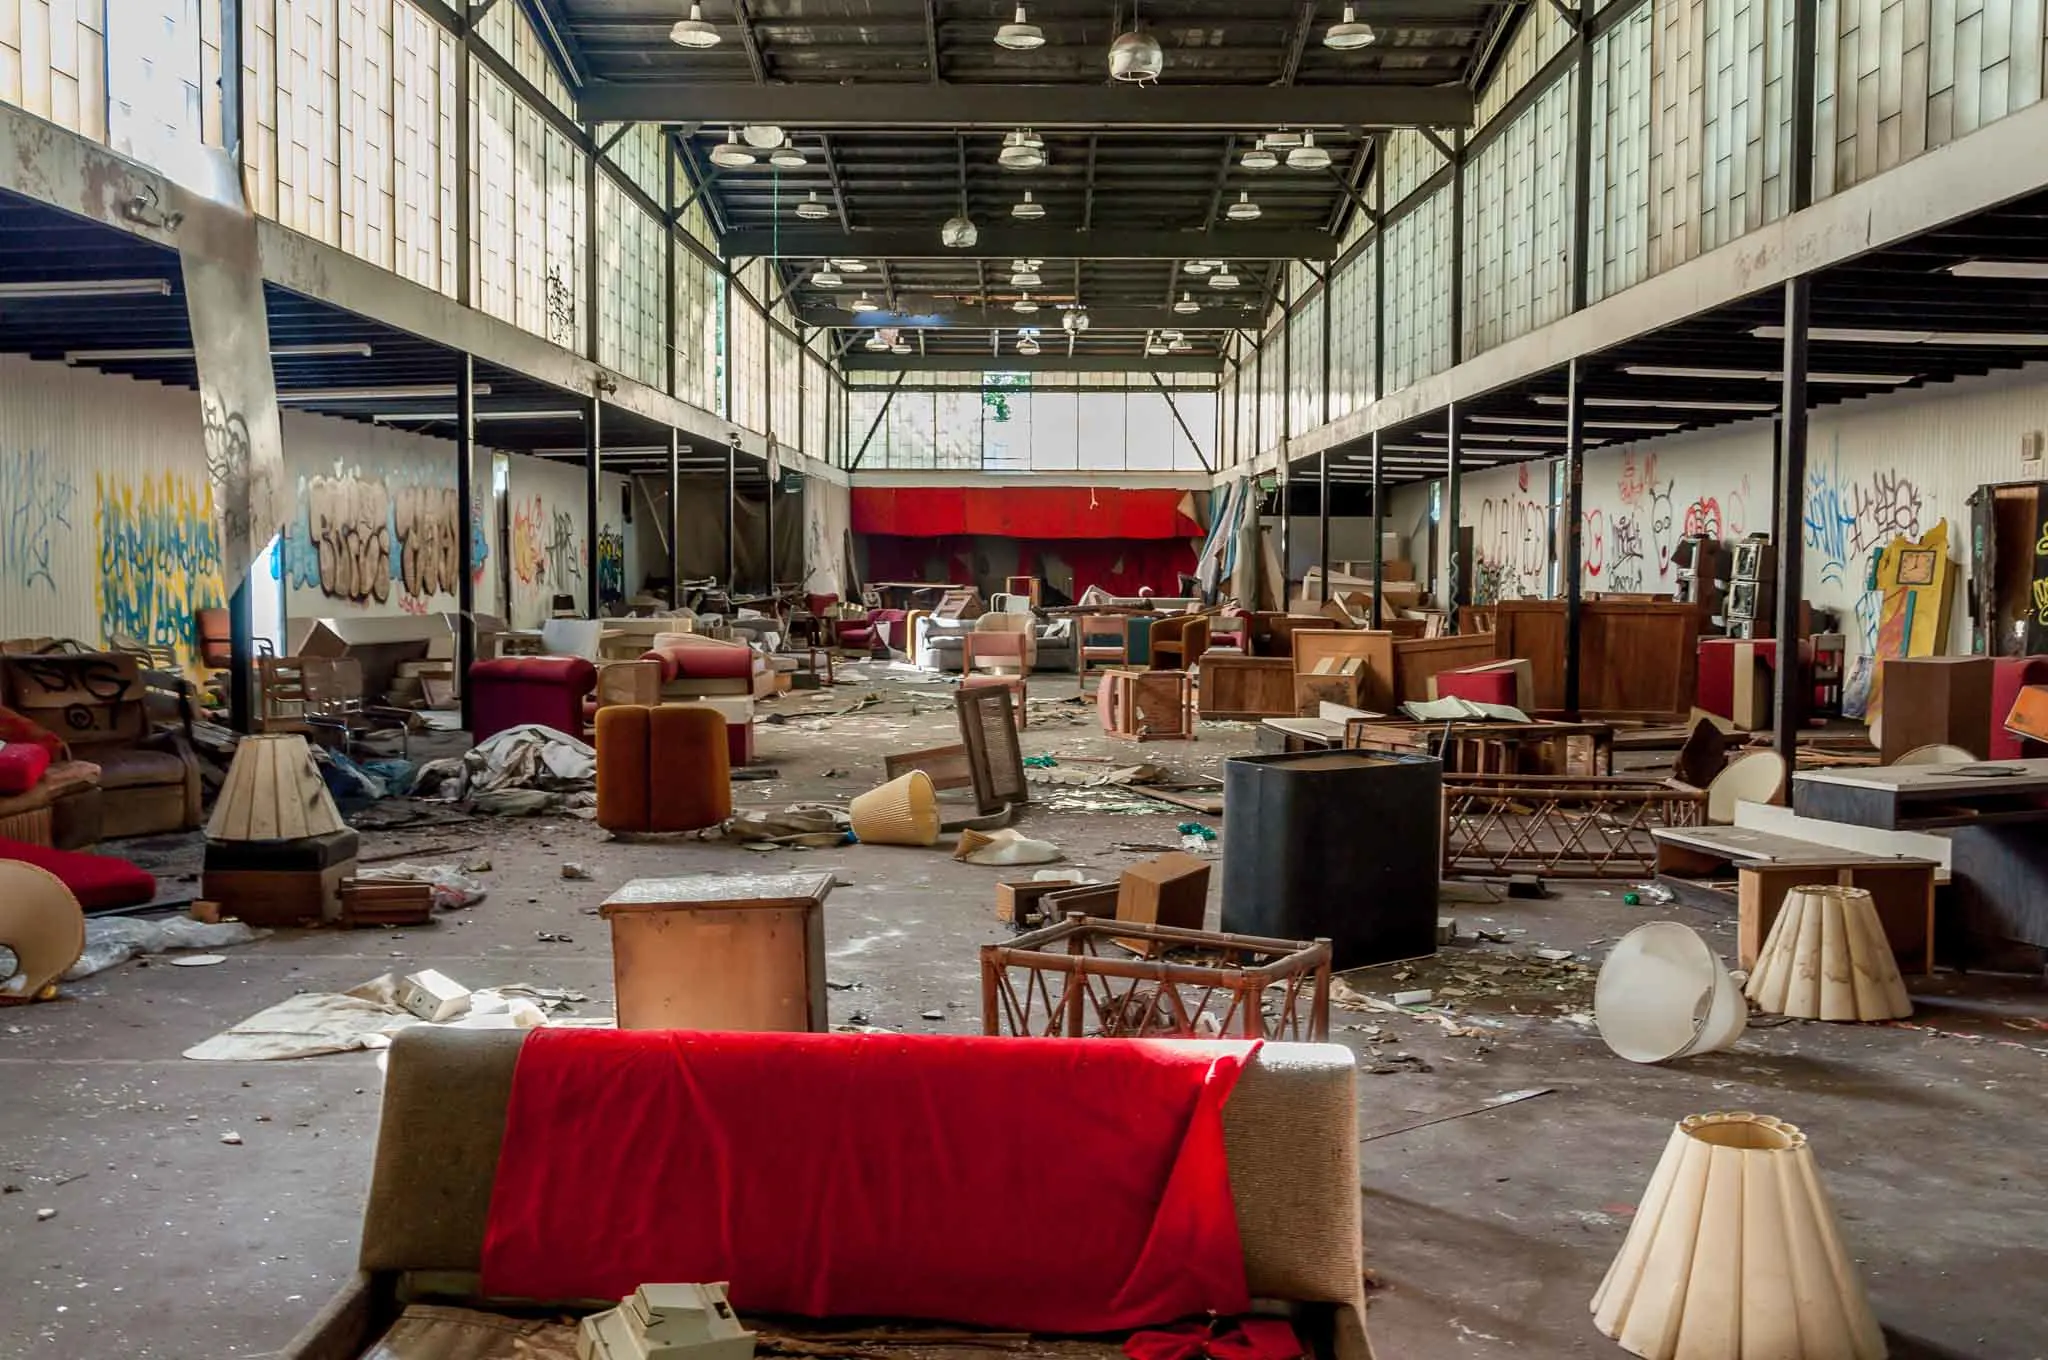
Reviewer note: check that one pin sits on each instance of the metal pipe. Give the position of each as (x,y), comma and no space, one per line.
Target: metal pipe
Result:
(1323,521)
(768,529)
(675,520)
(593,472)
(1792,698)
(1379,521)
(466,534)
(1582,158)
(732,517)
(1454,494)
(1574,527)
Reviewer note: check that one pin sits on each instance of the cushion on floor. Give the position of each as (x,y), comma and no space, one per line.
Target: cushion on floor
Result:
(99,882)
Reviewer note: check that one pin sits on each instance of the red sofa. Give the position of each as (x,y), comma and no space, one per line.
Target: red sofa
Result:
(512,690)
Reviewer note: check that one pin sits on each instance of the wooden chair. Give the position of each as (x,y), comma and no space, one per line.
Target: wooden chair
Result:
(334,705)
(1091,644)
(1178,642)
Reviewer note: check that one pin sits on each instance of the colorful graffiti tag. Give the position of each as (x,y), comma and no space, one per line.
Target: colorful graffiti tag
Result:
(611,565)
(35,503)
(357,535)
(159,560)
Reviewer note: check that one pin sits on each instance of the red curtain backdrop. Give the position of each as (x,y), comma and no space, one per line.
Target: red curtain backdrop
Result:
(1023,512)
(1119,566)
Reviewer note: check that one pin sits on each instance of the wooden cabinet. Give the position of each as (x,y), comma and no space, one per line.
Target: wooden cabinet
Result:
(1637,658)
(720,951)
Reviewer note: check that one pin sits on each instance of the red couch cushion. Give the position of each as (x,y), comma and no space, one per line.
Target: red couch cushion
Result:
(98,882)
(696,661)
(572,671)
(834,1175)
(22,763)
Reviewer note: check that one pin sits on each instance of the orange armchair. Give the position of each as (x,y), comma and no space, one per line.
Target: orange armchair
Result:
(1179,641)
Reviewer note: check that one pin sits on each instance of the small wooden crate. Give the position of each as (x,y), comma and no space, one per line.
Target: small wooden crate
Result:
(1247,688)
(1147,705)
(366,905)
(720,951)
(1076,980)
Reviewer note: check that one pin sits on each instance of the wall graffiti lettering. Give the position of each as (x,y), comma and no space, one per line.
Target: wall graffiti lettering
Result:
(1637,480)
(1702,519)
(1593,545)
(479,545)
(225,435)
(358,535)
(529,558)
(611,565)
(1660,529)
(159,560)
(563,568)
(35,502)
(1884,509)
(1512,544)
(1625,555)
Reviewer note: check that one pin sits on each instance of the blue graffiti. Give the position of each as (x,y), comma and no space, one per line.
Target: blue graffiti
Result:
(37,504)
(159,560)
(1830,518)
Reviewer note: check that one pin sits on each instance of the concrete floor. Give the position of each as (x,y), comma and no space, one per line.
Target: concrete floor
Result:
(1487,1233)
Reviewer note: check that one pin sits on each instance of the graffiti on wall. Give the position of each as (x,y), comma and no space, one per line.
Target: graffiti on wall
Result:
(35,503)
(358,537)
(611,565)
(159,559)
(564,562)
(529,559)
(1847,521)
(1512,544)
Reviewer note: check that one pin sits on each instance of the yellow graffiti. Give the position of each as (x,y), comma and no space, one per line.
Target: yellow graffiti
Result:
(529,554)
(159,560)
(2041,601)
(2041,548)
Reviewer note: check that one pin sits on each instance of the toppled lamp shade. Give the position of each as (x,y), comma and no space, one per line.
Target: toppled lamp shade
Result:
(904,811)
(1734,1254)
(42,930)
(273,792)
(1662,993)
(1827,958)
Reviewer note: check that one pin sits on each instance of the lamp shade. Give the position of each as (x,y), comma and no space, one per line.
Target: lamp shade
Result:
(42,930)
(1827,958)
(1734,1254)
(273,792)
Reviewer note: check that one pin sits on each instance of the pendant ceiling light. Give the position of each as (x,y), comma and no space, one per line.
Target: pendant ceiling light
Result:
(1187,306)
(813,209)
(694,31)
(1244,210)
(1178,345)
(825,278)
(1022,150)
(900,347)
(730,154)
(762,136)
(1223,278)
(1156,348)
(877,342)
(1074,322)
(1170,335)
(863,303)
(1349,35)
(1198,267)
(850,266)
(1020,34)
(1026,278)
(1308,156)
(1029,210)
(1024,304)
(1027,343)
(1136,58)
(1260,157)
(788,156)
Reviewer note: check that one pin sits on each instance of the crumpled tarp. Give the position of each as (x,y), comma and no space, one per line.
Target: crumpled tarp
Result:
(811,824)
(116,939)
(518,772)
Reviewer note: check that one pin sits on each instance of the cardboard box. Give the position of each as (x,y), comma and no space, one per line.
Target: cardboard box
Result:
(1172,890)
(1751,701)
(381,644)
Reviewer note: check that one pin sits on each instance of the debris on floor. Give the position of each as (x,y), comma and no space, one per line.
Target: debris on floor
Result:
(116,939)
(367,1016)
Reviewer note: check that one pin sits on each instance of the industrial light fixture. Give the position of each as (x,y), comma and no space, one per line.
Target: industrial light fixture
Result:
(1028,209)
(400,417)
(901,346)
(694,31)
(1545,422)
(1171,335)
(788,156)
(1244,210)
(1858,335)
(1135,57)
(1308,156)
(1022,150)
(1187,306)
(863,303)
(1260,157)
(1223,278)
(1762,375)
(1025,304)
(730,154)
(959,233)
(1199,267)
(1027,343)
(1020,34)
(762,136)
(1155,348)
(1026,275)
(119,356)
(422,391)
(87,288)
(877,342)
(1348,35)
(1074,322)
(1756,408)
(813,209)
(2000,269)
(1178,345)
(825,278)
(849,266)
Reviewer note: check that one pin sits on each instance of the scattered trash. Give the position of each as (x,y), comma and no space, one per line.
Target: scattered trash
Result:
(933,1015)
(1007,846)
(748,774)
(518,772)
(1446,929)
(116,939)
(480,865)
(1421,996)
(1194,845)
(1197,830)
(552,937)
(813,825)
(1040,762)
(365,1017)
(570,869)
(1629,899)
(1093,779)
(45,1215)
(1491,1103)
(452,890)
(433,995)
(1654,893)
(199,960)
(1388,1063)
(1554,955)
(232,1139)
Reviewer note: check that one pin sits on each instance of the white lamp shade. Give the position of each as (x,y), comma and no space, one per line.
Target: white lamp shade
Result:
(693,31)
(1734,1254)
(1827,958)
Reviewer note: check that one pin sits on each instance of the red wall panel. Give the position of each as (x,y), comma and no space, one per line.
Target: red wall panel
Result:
(1032,512)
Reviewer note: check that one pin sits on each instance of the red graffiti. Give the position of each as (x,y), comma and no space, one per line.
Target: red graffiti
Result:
(1702,517)
(1522,476)
(1594,550)
(1636,481)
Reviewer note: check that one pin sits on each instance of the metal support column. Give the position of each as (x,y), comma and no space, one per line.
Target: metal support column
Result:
(1379,273)
(1790,694)
(1323,521)
(675,520)
(732,517)
(593,472)
(768,533)
(1454,495)
(465,144)
(1582,159)
(1574,526)
(1286,430)
(668,269)
(466,532)
(591,255)
(241,605)
(1379,524)
(1457,299)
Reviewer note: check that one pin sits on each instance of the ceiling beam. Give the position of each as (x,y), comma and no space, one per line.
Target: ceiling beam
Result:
(1039,243)
(930,312)
(1304,24)
(747,39)
(975,363)
(1183,107)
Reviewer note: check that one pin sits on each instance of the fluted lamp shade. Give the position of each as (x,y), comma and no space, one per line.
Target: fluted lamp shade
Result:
(1827,958)
(273,792)
(1735,1254)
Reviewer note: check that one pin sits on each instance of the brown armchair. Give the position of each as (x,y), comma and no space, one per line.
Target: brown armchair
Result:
(99,703)
(1178,641)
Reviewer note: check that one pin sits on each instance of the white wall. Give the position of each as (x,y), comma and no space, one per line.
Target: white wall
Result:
(549,547)
(828,517)
(1883,466)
